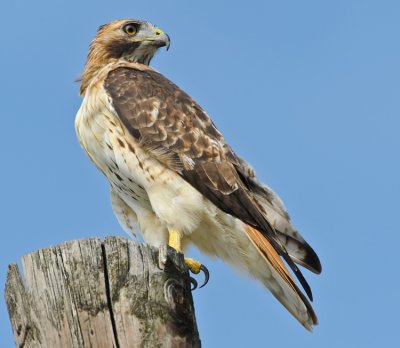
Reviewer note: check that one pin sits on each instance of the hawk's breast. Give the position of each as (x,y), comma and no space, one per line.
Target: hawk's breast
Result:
(110,148)
(136,175)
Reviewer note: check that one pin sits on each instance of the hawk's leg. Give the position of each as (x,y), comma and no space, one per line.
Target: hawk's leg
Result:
(194,266)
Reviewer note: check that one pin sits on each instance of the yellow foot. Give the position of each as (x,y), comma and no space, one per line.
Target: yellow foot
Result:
(195,267)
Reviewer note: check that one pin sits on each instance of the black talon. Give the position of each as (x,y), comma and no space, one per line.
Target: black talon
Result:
(194,283)
(206,274)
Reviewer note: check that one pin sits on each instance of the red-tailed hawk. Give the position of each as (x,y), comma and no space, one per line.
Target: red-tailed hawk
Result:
(172,174)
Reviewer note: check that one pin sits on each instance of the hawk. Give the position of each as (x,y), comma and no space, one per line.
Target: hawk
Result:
(174,177)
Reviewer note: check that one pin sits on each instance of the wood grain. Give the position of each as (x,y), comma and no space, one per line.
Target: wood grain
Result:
(89,293)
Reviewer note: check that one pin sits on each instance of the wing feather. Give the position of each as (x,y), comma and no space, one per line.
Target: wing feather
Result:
(299,250)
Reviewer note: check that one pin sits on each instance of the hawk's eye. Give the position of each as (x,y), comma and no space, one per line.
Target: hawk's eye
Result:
(130,29)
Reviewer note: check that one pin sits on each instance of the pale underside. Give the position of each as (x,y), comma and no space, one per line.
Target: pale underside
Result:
(148,196)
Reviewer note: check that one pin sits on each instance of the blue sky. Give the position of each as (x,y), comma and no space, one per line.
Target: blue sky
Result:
(308,92)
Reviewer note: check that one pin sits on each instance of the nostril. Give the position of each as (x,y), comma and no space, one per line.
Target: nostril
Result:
(158,32)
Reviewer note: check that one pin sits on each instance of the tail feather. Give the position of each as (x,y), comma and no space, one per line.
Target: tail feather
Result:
(300,251)
(281,283)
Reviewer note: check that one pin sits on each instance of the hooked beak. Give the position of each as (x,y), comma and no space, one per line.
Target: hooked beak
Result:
(156,38)
(162,39)
(169,41)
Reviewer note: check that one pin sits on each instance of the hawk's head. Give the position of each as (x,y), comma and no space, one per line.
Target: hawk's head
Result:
(130,39)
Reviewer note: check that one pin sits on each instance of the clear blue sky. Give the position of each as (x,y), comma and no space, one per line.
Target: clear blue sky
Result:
(306,91)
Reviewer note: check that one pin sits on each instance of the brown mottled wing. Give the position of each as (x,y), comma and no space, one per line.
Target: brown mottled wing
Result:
(166,120)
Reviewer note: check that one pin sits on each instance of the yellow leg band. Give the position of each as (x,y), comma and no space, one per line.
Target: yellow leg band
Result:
(175,240)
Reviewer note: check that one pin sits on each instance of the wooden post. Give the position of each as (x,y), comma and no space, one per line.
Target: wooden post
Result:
(93,293)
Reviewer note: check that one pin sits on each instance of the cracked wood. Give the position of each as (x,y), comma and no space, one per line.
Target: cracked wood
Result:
(89,293)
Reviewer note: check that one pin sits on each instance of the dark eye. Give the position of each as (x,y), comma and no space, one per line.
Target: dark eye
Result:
(130,29)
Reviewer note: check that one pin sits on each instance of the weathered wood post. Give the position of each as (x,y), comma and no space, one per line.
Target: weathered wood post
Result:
(93,293)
